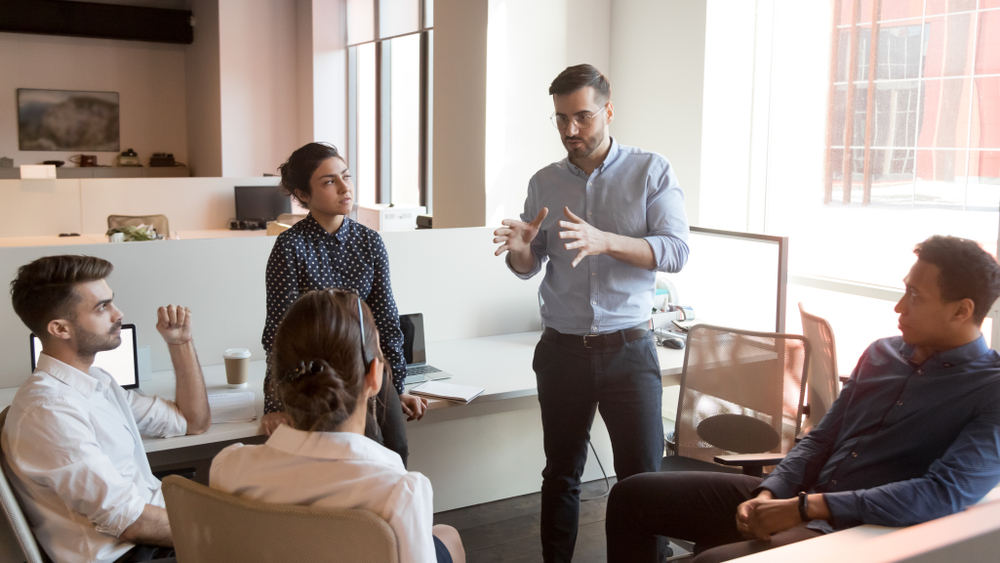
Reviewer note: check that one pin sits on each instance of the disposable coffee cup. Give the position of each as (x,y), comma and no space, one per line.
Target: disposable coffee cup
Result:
(237,366)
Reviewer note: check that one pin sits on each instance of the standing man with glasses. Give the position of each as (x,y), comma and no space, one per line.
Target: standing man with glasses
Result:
(618,218)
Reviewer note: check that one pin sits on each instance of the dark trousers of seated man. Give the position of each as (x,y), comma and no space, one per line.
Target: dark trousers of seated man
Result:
(695,506)
(621,379)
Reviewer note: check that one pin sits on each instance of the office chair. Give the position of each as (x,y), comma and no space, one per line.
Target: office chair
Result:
(824,383)
(159,222)
(210,525)
(289,218)
(15,515)
(741,400)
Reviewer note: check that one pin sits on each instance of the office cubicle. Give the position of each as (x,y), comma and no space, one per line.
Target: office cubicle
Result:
(735,279)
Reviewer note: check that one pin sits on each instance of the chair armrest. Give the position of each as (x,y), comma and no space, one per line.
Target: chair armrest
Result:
(752,464)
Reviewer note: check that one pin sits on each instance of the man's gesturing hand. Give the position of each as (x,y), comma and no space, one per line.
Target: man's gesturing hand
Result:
(589,240)
(516,236)
(174,324)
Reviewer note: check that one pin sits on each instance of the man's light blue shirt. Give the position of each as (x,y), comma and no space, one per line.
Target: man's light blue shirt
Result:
(633,193)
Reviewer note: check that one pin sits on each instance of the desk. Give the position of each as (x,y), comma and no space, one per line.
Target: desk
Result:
(497,436)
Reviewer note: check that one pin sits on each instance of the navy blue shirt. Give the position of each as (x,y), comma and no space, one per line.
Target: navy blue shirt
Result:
(307,257)
(904,443)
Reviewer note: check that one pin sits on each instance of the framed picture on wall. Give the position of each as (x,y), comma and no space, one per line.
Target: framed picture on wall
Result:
(65,120)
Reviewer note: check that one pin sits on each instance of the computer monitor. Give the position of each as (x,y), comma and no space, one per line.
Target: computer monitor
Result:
(412,326)
(263,203)
(122,362)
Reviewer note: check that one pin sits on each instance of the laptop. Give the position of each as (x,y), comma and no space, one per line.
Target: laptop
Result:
(414,351)
(122,362)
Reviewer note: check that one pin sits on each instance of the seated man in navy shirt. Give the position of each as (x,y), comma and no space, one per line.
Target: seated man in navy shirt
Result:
(914,435)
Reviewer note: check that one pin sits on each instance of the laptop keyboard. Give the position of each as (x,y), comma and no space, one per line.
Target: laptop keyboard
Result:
(420,370)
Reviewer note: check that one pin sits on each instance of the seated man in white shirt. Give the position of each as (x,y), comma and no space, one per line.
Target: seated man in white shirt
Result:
(72,437)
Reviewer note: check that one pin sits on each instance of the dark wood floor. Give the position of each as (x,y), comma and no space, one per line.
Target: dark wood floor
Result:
(507,530)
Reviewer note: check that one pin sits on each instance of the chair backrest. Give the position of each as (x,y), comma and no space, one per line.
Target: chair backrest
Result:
(824,382)
(159,222)
(210,525)
(741,392)
(289,218)
(15,515)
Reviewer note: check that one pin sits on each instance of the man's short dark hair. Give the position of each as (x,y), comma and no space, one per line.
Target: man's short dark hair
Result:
(44,289)
(581,76)
(967,271)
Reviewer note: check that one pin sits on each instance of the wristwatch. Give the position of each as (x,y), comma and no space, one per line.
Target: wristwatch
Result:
(804,506)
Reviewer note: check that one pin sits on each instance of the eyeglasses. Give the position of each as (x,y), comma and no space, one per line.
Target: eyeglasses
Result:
(582,120)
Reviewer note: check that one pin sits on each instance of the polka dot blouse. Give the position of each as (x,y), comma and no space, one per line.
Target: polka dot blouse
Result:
(307,257)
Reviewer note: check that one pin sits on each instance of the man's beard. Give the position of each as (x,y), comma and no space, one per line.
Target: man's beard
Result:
(587,147)
(90,343)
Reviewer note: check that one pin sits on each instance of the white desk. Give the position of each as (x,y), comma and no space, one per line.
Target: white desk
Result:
(495,438)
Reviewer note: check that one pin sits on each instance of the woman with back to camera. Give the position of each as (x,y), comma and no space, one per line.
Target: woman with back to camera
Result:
(327,366)
(327,249)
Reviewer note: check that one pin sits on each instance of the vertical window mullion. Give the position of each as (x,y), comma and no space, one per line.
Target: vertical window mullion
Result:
(424,79)
(384,123)
(352,118)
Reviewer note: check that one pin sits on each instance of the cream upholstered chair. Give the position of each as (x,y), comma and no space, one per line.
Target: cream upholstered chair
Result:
(824,382)
(210,525)
(15,516)
(159,222)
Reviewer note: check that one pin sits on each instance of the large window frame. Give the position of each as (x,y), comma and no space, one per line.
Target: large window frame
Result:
(381,184)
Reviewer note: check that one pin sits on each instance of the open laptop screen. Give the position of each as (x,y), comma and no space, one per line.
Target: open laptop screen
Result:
(122,362)
(412,326)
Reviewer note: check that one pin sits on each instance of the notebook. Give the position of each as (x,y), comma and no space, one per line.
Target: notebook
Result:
(122,362)
(414,351)
(448,391)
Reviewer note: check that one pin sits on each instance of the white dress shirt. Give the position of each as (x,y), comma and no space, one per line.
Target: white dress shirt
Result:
(73,444)
(334,470)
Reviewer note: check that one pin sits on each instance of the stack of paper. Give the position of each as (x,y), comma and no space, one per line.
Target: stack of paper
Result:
(448,391)
(232,407)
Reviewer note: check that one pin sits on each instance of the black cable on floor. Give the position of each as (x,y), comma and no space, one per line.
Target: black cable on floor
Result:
(607,482)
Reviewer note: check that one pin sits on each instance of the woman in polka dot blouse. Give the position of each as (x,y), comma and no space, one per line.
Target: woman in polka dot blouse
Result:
(327,249)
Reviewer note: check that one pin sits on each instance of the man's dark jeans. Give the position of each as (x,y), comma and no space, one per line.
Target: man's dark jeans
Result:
(623,381)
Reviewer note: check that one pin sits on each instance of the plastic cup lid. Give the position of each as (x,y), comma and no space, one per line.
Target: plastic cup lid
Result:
(236,354)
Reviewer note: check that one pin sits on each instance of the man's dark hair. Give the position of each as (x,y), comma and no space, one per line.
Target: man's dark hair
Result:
(967,271)
(44,289)
(581,76)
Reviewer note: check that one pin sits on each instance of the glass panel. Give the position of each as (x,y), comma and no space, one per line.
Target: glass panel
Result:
(360,21)
(428,14)
(948,51)
(398,17)
(899,52)
(944,114)
(364,176)
(901,9)
(984,4)
(984,180)
(865,11)
(864,51)
(940,182)
(843,53)
(405,112)
(988,55)
(986,116)
(949,6)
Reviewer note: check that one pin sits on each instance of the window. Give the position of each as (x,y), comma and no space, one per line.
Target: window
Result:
(389,96)
(870,126)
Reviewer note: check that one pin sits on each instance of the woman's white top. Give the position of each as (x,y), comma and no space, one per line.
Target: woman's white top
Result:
(335,470)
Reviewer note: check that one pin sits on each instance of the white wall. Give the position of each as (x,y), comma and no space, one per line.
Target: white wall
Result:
(657,76)
(460,28)
(149,78)
(529,44)
(258,84)
(329,73)
(204,112)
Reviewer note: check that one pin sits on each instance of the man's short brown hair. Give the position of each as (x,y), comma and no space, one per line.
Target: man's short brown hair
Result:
(581,76)
(44,289)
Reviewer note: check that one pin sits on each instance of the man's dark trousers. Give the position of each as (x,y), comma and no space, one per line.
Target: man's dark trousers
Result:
(620,378)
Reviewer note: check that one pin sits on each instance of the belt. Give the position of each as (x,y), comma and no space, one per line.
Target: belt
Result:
(616,338)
